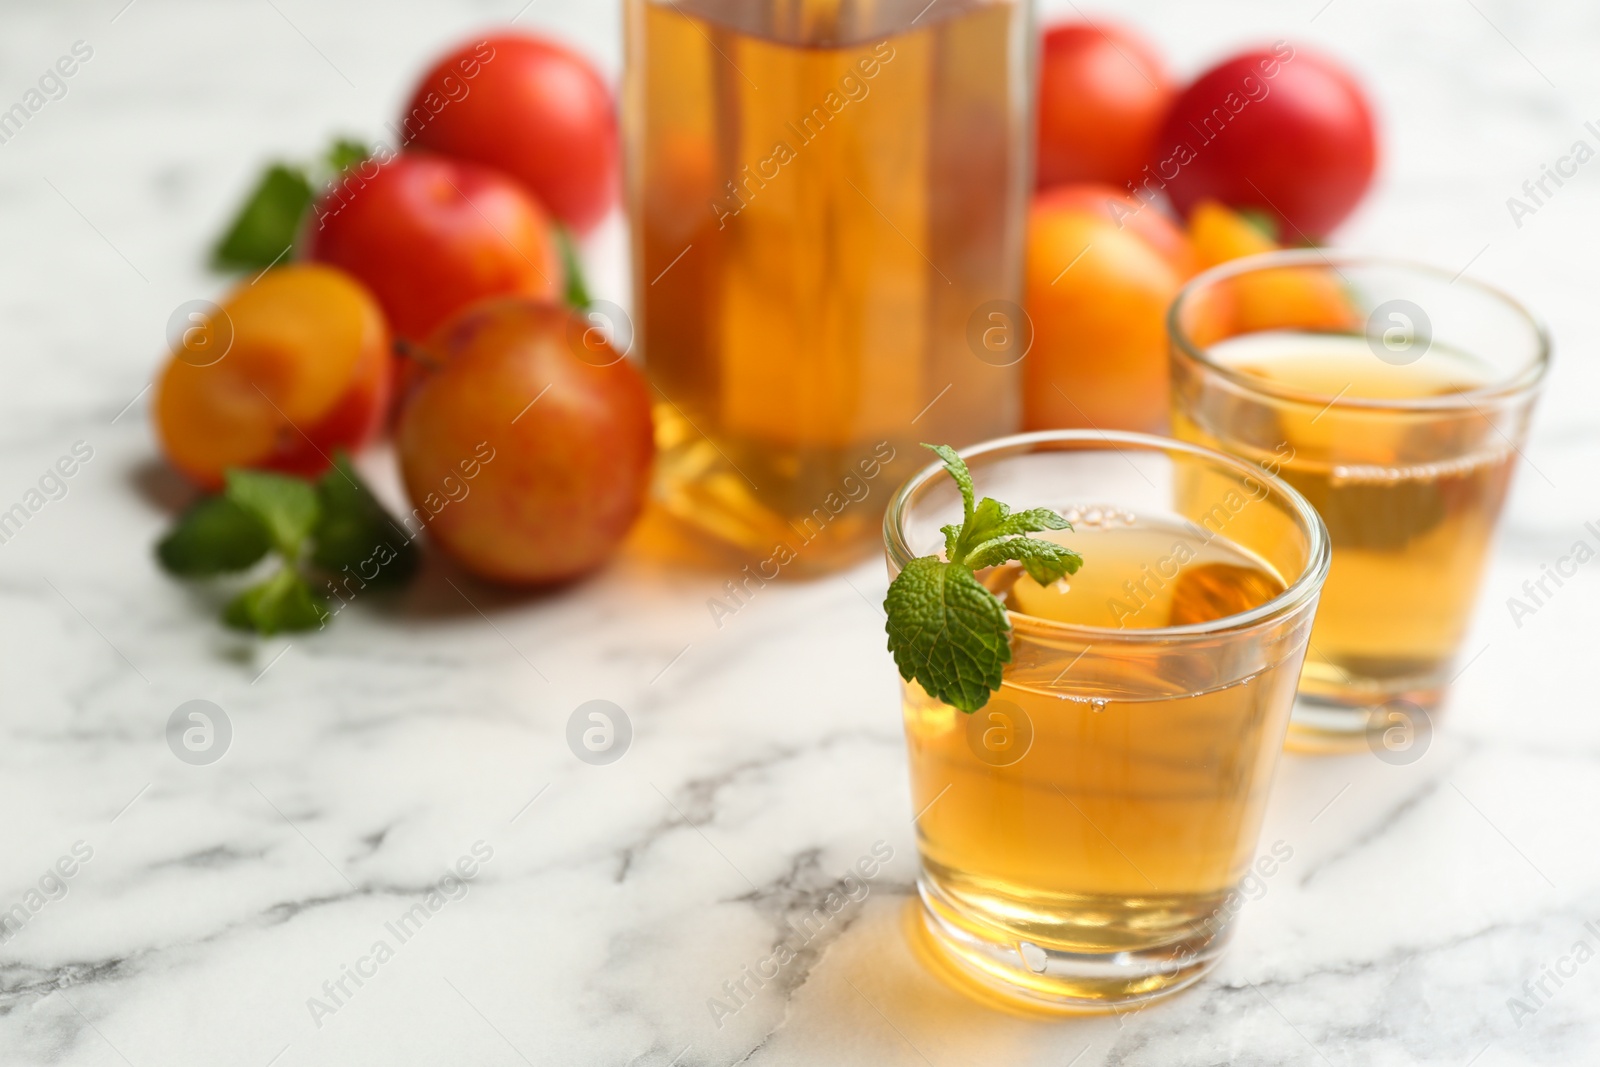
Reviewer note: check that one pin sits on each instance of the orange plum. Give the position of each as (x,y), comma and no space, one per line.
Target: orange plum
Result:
(1097,295)
(308,371)
(527,448)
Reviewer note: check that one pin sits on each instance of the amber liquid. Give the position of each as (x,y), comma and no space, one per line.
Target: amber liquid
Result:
(1135,808)
(1410,502)
(820,204)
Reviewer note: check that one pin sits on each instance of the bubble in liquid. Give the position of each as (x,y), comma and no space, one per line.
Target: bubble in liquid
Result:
(1033,957)
(1097,515)
(1098,704)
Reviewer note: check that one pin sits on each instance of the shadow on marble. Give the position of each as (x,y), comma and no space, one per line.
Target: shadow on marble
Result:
(157,484)
(882,1003)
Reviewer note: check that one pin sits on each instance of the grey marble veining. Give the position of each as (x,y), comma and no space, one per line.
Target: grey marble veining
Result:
(215,914)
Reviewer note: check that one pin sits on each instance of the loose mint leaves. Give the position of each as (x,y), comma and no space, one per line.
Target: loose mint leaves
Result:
(334,526)
(356,535)
(285,507)
(285,601)
(215,536)
(947,631)
(343,154)
(268,221)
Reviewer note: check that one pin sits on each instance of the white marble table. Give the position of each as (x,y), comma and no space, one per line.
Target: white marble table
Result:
(208,905)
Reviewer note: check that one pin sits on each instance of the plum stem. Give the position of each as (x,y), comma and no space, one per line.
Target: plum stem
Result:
(416,353)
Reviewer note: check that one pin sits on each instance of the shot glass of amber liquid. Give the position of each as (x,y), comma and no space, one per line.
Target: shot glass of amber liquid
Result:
(1395,397)
(1084,834)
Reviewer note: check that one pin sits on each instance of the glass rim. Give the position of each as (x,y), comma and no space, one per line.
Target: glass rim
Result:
(1523,380)
(1305,586)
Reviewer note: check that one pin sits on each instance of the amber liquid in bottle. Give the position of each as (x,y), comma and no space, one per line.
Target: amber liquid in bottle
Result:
(823,196)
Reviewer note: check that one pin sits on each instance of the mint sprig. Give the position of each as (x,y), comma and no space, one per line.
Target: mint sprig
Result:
(285,507)
(351,525)
(215,536)
(333,528)
(947,631)
(284,601)
(268,221)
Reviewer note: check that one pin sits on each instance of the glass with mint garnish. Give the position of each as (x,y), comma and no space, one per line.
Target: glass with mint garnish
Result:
(1099,637)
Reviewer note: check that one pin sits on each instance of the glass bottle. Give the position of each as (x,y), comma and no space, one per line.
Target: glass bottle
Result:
(828,204)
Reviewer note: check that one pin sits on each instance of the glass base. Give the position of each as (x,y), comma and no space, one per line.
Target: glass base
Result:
(1022,975)
(1388,716)
(825,528)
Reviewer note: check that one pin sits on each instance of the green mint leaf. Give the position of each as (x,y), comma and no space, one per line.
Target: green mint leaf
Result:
(989,514)
(577,294)
(1045,561)
(986,519)
(267,222)
(215,536)
(947,632)
(958,470)
(284,602)
(952,541)
(1031,521)
(286,506)
(355,534)
(343,154)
